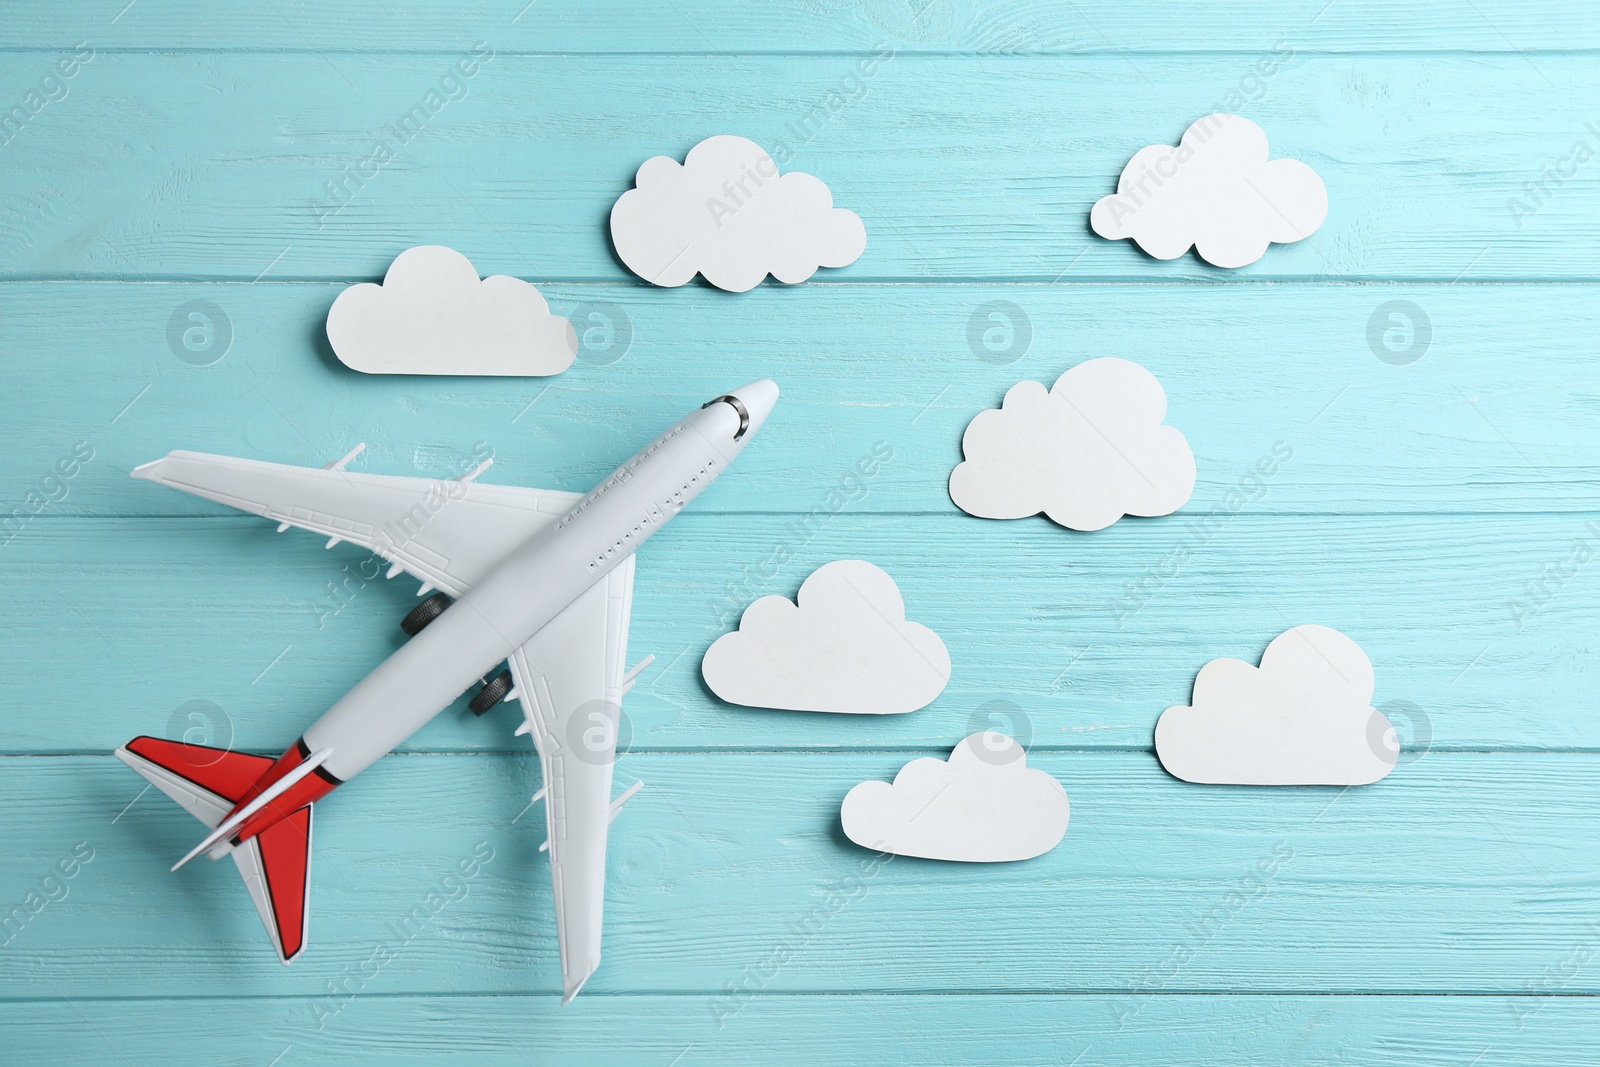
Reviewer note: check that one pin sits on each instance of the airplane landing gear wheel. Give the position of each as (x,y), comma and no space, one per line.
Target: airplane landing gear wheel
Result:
(492,693)
(424,613)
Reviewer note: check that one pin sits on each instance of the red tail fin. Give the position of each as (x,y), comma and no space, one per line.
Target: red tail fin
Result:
(275,864)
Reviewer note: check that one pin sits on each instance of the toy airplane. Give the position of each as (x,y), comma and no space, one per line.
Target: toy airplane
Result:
(540,579)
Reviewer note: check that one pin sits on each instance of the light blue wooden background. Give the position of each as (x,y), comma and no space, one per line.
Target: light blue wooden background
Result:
(1443,512)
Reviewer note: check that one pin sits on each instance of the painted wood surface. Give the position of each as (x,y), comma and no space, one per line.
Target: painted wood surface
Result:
(1427,359)
(246,166)
(1244,367)
(811,26)
(1452,876)
(1056,646)
(1221,1030)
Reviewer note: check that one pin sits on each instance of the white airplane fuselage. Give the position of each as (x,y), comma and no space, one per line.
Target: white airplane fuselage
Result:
(515,600)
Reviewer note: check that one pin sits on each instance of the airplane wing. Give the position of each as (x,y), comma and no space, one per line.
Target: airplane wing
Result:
(446,533)
(570,680)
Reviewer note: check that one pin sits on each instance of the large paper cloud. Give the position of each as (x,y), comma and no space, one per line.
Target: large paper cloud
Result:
(983,805)
(728,214)
(432,315)
(1216,192)
(845,647)
(1085,453)
(1304,717)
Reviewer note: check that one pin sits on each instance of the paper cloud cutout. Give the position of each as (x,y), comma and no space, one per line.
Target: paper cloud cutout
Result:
(983,805)
(845,647)
(432,315)
(1217,192)
(727,214)
(1304,717)
(1085,453)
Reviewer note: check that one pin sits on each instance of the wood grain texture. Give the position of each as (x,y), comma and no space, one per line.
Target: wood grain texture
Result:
(809,26)
(271,629)
(1221,1030)
(220,166)
(1458,873)
(1442,511)
(1245,368)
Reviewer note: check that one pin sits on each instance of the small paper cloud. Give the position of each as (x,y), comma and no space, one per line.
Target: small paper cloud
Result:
(983,805)
(1304,717)
(726,213)
(845,647)
(1085,453)
(432,315)
(1216,191)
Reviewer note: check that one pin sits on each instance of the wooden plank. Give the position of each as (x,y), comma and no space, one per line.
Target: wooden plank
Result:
(1497,415)
(1208,1031)
(195,166)
(801,26)
(132,620)
(1458,873)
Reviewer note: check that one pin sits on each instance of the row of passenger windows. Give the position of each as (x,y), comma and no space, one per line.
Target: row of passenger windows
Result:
(620,476)
(675,502)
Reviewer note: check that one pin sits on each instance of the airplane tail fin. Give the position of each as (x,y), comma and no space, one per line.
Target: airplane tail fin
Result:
(275,864)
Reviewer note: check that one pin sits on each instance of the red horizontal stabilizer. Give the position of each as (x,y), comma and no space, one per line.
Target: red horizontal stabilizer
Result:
(216,770)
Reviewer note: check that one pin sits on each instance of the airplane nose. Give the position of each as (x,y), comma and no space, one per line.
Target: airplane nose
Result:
(758,399)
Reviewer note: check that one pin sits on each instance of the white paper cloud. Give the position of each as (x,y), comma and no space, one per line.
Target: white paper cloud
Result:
(845,647)
(1304,717)
(1217,192)
(726,213)
(1085,453)
(432,315)
(983,805)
